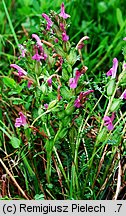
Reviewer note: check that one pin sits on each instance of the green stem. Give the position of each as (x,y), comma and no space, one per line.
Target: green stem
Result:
(109,105)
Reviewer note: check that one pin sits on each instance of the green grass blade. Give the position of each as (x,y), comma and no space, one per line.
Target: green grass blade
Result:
(10,23)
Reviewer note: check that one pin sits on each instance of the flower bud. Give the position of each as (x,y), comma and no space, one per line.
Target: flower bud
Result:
(43,88)
(62,133)
(52,104)
(122,77)
(102,135)
(115,105)
(111,87)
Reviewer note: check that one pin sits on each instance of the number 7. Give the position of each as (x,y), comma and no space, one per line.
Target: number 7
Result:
(119,206)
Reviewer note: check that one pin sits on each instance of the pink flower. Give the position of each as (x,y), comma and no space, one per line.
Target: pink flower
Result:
(124,38)
(22,49)
(20,121)
(77,75)
(112,72)
(77,103)
(45,56)
(109,73)
(29,83)
(123,96)
(80,44)
(37,39)
(46,106)
(82,98)
(62,27)
(49,21)
(37,57)
(73,81)
(56,40)
(124,66)
(108,121)
(21,72)
(62,13)
(65,37)
(49,81)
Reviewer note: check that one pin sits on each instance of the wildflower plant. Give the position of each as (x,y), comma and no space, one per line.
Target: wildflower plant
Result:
(52,102)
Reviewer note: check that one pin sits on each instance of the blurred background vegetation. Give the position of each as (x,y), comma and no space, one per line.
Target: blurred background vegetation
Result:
(103,21)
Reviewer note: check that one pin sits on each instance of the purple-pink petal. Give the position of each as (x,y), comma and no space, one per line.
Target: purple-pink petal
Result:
(37,57)
(49,81)
(17,124)
(21,72)
(23,118)
(115,66)
(20,121)
(77,75)
(22,49)
(62,13)
(80,46)
(110,126)
(56,40)
(65,37)
(49,21)
(123,96)
(112,72)
(29,84)
(82,98)
(62,27)
(109,73)
(46,106)
(124,38)
(108,121)
(45,56)
(38,40)
(112,117)
(72,83)
(124,66)
(77,103)
(87,92)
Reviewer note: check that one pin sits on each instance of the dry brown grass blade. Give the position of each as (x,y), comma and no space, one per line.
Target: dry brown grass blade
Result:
(118,179)
(14,180)
(100,164)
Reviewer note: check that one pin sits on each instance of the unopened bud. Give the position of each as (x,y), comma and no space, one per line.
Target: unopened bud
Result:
(111,87)
(102,135)
(115,105)
(122,77)
(52,104)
